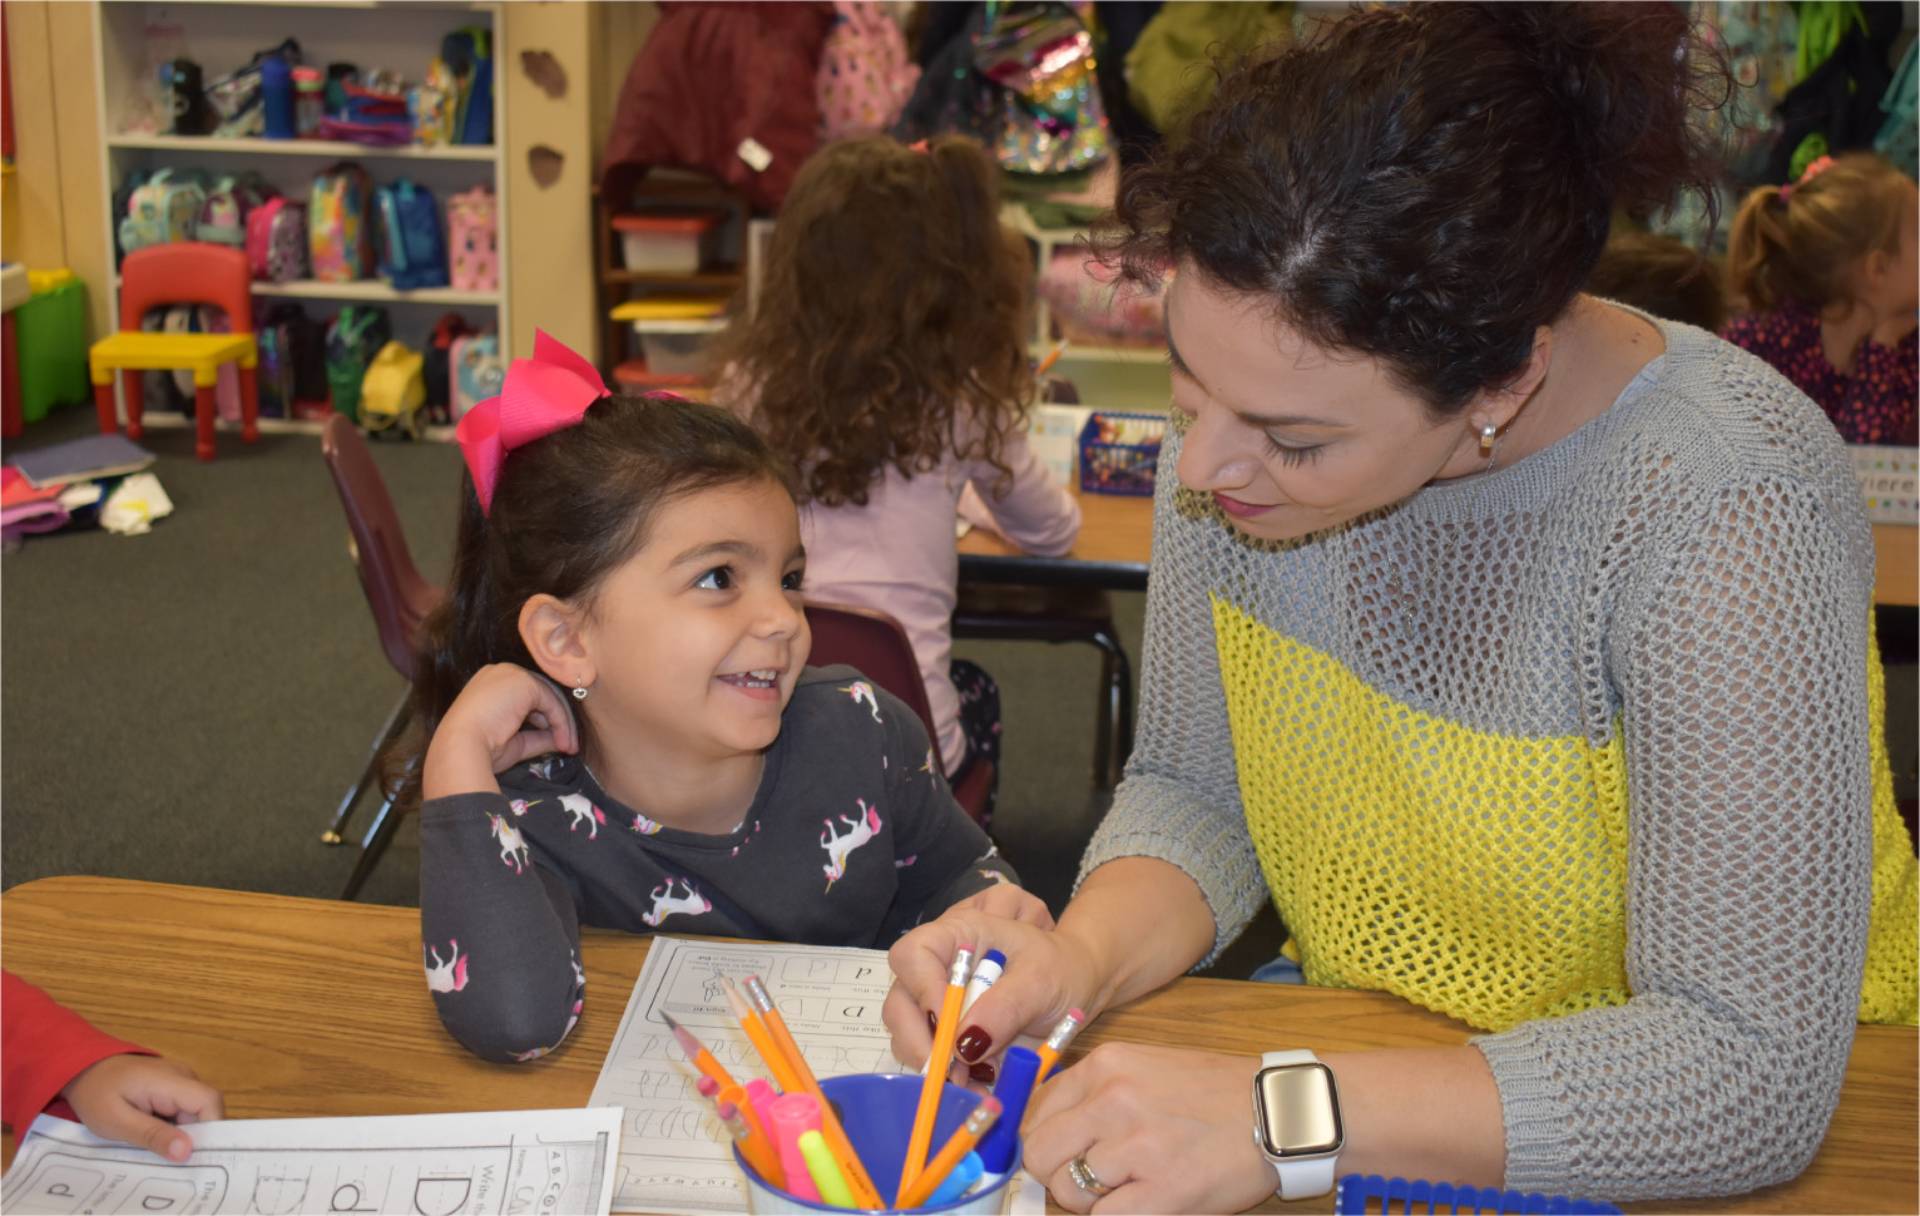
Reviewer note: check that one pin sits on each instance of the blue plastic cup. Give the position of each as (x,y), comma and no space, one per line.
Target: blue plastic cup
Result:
(876,1110)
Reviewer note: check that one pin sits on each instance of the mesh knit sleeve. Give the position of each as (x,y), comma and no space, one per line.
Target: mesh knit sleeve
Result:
(1740,652)
(1180,799)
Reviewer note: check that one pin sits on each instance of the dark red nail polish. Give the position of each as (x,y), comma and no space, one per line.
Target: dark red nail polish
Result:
(982,1073)
(973,1044)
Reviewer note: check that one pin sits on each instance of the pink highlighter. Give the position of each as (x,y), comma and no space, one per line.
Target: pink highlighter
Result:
(794,1114)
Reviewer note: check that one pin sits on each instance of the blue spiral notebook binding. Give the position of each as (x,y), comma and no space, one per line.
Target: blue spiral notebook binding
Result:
(1360,1194)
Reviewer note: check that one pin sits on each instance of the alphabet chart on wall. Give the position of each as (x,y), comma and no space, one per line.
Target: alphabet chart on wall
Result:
(674,1155)
(435,1165)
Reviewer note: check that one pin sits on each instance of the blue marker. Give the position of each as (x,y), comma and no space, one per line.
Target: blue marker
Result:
(957,1182)
(1018,1068)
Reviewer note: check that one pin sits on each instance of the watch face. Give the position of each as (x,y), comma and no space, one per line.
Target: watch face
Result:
(1299,1116)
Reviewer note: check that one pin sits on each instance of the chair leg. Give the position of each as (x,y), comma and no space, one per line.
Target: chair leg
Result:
(1113,727)
(203,412)
(103,407)
(133,398)
(385,823)
(396,722)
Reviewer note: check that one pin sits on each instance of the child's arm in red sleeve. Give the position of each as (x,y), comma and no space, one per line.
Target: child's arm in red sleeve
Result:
(43,1046)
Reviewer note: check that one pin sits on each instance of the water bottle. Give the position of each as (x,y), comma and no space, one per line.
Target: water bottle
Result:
(276,91)
(309,101)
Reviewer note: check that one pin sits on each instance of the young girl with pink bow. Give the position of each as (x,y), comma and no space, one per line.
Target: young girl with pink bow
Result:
(620,726)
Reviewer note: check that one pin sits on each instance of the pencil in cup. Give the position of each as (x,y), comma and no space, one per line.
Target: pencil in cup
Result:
(876,1110)
(859,1180)
(958,1145)
(697,1053)
(762,1039)
(946,1029)
(756,1144)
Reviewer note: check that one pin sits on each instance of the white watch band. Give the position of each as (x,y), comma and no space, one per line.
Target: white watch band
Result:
(1309,1176)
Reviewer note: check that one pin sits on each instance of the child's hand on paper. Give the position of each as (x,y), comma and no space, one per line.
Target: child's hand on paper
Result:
(129,1098)
(504,715)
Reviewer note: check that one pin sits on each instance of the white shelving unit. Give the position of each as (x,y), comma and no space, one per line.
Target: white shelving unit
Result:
(223,34)
(1131,377)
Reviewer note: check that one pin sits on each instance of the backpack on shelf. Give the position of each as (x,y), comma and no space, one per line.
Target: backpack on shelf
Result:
(393,391)
(239,97)
(354,337)
(277,240)
(166,207)
(412,252)
(475,370)
(305,344)
(339,235)
(123,209)
(201,319)
(439,358)
(473,235)
(468,58)
(229,202)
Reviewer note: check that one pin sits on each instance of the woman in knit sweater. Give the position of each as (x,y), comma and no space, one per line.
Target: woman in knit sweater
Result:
(1517,646)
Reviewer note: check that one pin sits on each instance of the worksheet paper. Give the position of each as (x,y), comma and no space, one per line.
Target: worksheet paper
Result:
(536,1161)
(675,1157)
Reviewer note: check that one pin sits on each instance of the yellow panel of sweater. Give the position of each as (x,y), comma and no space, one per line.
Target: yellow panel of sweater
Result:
(1478,874)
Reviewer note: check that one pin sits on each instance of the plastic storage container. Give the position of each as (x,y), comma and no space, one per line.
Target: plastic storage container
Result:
(667,242)
(1119,453)
(50,330)
(877,1110)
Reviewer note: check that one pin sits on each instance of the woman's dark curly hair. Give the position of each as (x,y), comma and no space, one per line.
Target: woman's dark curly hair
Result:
(890,327)
(1429,185)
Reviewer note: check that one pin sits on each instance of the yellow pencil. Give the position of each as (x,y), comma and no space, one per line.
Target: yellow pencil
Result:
(770,1053)
(945,1030)
(746,1132)
(979,1121)
(697,1053)
(865,1193)
(1057,1041)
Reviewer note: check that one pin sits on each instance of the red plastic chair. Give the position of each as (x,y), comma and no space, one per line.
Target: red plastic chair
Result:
(876,644)
(401,600)
(181,272)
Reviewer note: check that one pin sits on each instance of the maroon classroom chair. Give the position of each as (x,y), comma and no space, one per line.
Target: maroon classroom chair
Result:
(400,599)
(876,644)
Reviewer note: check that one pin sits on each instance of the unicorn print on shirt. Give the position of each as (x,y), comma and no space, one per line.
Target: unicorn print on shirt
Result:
(583,811)
(644,825)
(861,691)
(447,976)
(513,846)
(666,903)
(840,846)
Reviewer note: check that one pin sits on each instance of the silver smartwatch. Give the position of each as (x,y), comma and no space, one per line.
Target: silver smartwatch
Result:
(1296,1122)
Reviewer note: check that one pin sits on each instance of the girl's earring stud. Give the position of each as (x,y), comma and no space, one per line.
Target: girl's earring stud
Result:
(579,693)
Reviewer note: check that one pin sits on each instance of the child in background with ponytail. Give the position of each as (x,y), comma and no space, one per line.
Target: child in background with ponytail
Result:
(1828,267)
(620,726)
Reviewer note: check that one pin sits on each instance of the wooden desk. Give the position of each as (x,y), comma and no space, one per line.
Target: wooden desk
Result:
(1896,566)
(306,1007)
(1116,540)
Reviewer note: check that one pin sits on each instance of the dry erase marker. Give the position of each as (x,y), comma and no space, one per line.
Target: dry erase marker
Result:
(1019,1068)
(992,963)
(826,1174)
(1057,1042)
(865,1194)
(958,1145)
(754,1145)
(696,1052)
(793,1114)
(946,1028)
(757,1145)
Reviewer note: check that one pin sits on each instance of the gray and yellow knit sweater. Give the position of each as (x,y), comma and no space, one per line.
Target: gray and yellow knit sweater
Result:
(1587,751)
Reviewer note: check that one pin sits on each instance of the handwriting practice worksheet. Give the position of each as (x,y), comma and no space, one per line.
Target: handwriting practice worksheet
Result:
(529,1161)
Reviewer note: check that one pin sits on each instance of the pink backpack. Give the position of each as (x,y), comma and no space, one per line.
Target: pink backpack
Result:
(277,240)
(865,74)
(473,240)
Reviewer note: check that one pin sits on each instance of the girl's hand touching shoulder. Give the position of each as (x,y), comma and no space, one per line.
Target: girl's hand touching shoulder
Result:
(129,1098)
(504,715)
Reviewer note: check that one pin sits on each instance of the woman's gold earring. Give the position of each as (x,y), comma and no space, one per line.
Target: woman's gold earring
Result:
(1489,440)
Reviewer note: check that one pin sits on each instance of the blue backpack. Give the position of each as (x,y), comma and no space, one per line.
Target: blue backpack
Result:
(413,252)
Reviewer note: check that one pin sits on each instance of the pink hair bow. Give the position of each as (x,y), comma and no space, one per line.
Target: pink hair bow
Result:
(1815,168)
(547,393)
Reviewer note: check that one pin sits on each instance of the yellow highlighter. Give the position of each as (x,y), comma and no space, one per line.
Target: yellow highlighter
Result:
(826,1172)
